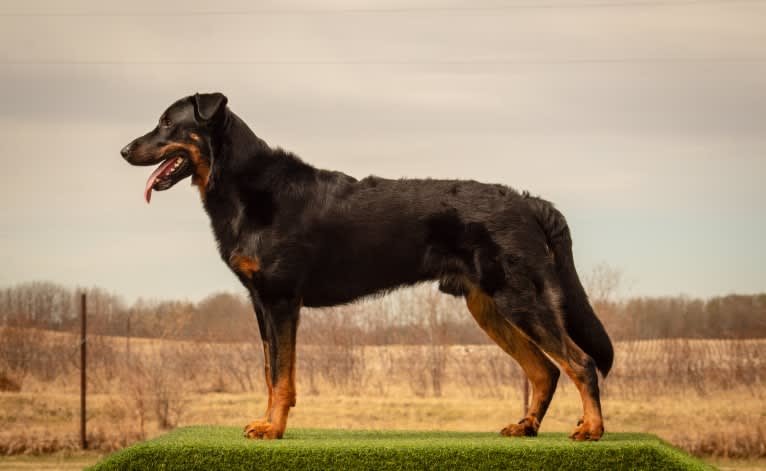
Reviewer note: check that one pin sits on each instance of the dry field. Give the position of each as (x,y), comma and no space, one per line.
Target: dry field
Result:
(706,396)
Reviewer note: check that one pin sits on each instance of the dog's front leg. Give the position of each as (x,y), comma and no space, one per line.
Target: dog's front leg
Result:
(280,326)
(266,363)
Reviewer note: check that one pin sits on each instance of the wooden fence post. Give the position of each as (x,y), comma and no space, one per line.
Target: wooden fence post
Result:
(83,366)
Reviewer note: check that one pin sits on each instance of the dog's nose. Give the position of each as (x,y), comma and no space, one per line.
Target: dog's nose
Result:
(126,150)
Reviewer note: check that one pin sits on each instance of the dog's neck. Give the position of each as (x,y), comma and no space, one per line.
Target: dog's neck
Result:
(251,165)
(254,180)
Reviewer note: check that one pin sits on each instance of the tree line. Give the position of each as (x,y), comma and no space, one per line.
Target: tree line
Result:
(415,316)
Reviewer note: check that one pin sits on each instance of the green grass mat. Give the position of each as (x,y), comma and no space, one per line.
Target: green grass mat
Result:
(208,448)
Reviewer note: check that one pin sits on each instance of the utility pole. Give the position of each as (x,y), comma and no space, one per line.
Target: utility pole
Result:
(83,365)
(127,338)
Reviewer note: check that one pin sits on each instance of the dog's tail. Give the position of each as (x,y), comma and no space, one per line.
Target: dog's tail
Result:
(580,321)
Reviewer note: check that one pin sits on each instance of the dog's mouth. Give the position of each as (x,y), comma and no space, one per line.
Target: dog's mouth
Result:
(171,171)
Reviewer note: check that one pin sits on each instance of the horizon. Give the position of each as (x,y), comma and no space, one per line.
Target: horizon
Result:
(618,295)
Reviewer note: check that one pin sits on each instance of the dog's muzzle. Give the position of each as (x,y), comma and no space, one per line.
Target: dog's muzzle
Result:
(125,152)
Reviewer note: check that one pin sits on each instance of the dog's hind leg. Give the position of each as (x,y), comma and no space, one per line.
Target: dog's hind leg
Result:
(280,326)
(539,369)
(536,312)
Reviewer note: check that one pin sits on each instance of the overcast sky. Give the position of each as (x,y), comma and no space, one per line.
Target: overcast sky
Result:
(645,124)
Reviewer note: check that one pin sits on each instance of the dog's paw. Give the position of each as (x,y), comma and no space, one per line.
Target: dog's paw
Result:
(591,430)
(527,427)
(260,430)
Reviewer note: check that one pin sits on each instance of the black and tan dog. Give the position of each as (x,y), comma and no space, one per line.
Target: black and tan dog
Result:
(299,236)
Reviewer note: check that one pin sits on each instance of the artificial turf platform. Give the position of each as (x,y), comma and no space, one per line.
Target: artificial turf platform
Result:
(207,448)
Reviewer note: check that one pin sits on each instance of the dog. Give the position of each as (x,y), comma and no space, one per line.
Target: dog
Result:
(296,235)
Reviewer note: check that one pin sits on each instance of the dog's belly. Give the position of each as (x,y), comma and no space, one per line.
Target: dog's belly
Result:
(333,287)
(325,295)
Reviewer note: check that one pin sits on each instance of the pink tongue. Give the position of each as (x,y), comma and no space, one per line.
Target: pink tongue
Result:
(162,170)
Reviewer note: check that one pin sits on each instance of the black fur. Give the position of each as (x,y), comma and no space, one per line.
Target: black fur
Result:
(580,321)
(323,238)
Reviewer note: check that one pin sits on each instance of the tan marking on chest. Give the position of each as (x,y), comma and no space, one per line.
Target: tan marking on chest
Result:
(201,171)
(247,266)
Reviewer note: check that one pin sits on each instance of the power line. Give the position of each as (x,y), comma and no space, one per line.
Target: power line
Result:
(392,10)
(458,62)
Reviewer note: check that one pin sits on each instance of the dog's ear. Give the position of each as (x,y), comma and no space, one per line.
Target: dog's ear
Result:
(209,105)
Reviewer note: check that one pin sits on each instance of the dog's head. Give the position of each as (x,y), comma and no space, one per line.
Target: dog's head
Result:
(181,142)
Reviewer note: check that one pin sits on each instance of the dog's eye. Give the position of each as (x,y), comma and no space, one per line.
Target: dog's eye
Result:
(165,122)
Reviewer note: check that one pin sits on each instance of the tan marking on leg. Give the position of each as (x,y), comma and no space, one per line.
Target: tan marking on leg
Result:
(284,398)
(538,368)
(267,371)
(283,393)
(543,375)
(591,426)
(284,390)
(259,427)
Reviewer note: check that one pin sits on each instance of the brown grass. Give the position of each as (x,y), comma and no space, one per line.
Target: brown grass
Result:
(706,396)
(59,461)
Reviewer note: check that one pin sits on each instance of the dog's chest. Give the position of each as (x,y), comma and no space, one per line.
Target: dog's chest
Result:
(227,219)
(233,233)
